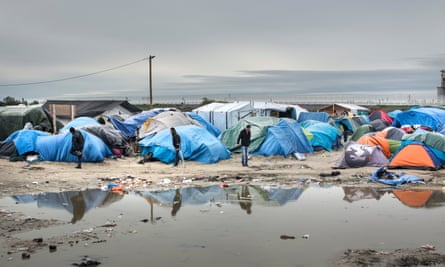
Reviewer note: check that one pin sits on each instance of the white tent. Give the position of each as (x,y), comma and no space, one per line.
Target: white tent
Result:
(270,109)
(225,115)
(166,119)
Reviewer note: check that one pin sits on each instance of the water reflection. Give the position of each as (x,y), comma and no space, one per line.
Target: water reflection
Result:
(410,198)
(244,195)
(78,203)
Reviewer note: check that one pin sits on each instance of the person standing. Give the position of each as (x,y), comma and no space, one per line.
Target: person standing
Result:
(77,145)
(244,137)
(176,139)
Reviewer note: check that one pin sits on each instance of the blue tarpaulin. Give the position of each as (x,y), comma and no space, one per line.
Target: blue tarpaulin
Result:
(24,140)
(431,117)
(284,138)
(324,133)
(57,148)
(383,176)
(197,144)
(130,125)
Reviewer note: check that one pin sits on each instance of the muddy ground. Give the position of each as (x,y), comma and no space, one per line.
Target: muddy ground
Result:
(37,177)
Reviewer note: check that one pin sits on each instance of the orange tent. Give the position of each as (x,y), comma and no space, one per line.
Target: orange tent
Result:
(415,156)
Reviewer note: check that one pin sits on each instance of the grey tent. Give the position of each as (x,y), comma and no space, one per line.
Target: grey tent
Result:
(359,155)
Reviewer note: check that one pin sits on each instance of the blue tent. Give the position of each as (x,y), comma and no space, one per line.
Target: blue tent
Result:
(130,125)
(79,122)
(212,129)
(24,140)
(284,138)
(57,148)
(318,116)
(431,117)
(324,133)
(197,144)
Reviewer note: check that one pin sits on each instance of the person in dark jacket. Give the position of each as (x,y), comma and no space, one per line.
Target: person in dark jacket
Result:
(77,145)
(244,137)
(176,139)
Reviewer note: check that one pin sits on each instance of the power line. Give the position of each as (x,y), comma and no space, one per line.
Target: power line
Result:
(75,77)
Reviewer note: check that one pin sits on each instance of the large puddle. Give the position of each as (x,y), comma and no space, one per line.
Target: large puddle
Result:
(240,225)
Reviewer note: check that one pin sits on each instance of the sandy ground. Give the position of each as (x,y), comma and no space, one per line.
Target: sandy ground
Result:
(21,177)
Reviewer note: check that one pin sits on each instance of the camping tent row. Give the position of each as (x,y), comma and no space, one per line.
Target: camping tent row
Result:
(271,136)
(418,149)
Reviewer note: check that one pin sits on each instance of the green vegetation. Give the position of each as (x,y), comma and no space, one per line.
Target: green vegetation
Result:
(11,101)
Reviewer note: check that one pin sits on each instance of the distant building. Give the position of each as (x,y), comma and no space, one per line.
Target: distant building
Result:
(66,110)
(441,88)
(339,109)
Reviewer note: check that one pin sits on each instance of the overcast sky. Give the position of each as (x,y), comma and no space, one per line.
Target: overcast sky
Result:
(203,48)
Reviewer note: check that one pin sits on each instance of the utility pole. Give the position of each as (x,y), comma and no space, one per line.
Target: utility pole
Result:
(150,81)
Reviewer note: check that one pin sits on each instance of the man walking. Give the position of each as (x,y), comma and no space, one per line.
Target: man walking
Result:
(77,145)
(244,137)
(176,139)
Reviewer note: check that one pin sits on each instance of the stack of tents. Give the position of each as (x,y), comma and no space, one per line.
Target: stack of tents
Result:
(412,140)
(405,139)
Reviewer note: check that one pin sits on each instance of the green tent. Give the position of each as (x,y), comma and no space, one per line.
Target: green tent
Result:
(13,118)
(258,131)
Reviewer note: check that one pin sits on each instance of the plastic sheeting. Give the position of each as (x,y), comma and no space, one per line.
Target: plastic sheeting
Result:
(129,126)
(79,122)
(57,148)
(324,134)
(24,140)
(431,117)
(197,144)
(285,138)
(212,129)
(258,132)
(317,116)
(13,118)
(165,120)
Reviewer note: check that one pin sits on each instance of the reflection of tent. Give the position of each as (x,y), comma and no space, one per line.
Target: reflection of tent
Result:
(268,196)
(189,195)
(285,138)
(359,193)
(75,202)
(415,199)
(165,120)
(359,155)
(415,155)
(196,144)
